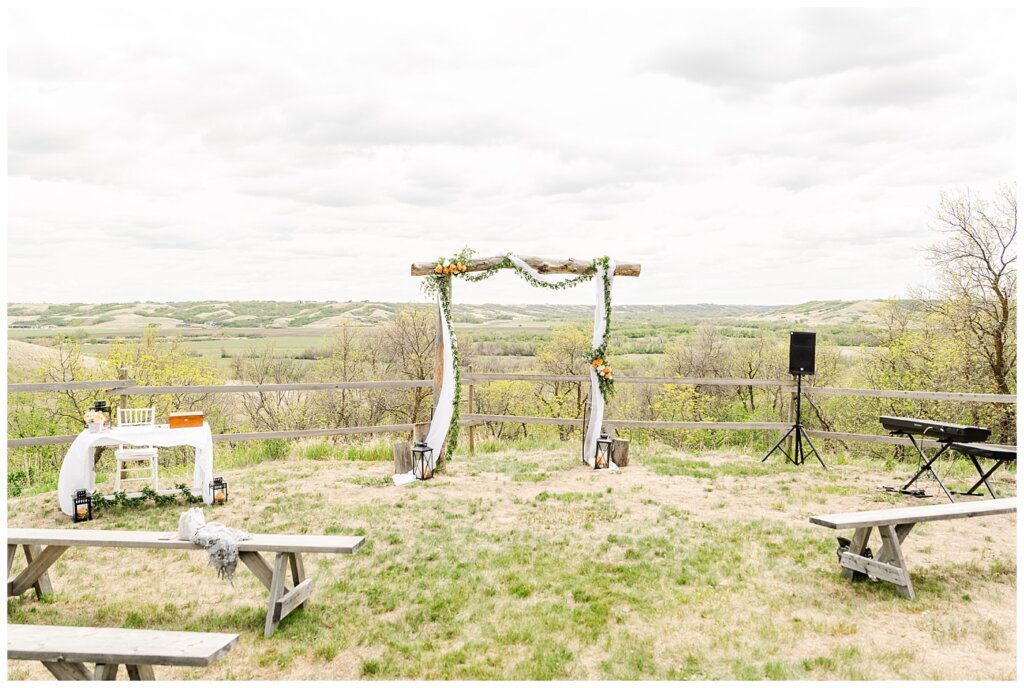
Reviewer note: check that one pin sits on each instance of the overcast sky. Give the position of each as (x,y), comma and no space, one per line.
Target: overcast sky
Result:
(742,157)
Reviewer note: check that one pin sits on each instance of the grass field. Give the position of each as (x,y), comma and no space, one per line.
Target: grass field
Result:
(527,565)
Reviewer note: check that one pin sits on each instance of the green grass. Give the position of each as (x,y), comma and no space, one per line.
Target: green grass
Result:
(579,575)
(703,470)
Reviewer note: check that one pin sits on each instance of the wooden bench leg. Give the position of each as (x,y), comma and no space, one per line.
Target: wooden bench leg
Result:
(106,672)
(859,544)
(298,571)
(276,590)
(284,598)
(35,574)
(887,565)
(903,530)
(69,671)
(892,553)
(140,672)
(259,567)
(11,551)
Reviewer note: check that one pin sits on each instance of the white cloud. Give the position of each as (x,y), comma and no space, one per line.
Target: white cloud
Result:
(315,153)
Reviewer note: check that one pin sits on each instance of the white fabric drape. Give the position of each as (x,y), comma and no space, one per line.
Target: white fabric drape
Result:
(76,473)
(596,400)
(442,419)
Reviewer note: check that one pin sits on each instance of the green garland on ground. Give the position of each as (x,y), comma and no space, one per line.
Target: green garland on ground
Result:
(148,495)
(439,283)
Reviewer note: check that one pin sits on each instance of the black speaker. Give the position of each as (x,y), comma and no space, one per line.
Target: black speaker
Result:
(801,353)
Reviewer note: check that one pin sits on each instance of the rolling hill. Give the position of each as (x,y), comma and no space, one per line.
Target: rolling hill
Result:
(326,314)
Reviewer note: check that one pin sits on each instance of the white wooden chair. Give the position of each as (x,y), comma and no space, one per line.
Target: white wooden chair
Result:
(128,459)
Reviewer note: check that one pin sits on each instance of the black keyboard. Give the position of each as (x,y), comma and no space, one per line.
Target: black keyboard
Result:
(997,452)
(944,432)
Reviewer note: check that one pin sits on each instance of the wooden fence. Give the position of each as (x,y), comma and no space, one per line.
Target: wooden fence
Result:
(127,387)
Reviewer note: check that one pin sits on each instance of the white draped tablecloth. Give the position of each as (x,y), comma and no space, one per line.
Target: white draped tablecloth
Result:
(78,470)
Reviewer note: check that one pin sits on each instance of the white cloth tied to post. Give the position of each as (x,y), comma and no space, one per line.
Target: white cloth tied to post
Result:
(596,399)
(445,408)
(77,472)
(441,422)
(219,541)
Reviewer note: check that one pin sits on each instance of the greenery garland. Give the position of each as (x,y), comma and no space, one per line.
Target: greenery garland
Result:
(148,495)
(439,284)
(598,356)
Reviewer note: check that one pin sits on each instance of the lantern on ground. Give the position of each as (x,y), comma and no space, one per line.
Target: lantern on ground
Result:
(219,488)
(83,506)
(422,461)
(603,459)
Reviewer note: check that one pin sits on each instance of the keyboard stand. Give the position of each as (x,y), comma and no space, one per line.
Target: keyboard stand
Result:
(926,465)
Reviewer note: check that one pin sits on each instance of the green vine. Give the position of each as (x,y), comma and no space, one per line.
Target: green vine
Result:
(439,284)
(598,357)
(122,499)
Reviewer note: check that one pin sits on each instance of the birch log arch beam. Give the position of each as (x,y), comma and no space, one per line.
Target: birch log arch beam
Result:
(545,266)
(438,276)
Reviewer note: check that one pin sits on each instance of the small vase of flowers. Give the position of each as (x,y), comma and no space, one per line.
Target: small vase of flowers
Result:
(95,420)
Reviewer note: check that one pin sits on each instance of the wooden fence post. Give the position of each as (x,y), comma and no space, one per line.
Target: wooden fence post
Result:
(403,450)
(419,432)
(472,435)
(122,401)
(583,437)
(403,457)
(620,452)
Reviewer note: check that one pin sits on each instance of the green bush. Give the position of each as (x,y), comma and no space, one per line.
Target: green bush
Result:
(15,483)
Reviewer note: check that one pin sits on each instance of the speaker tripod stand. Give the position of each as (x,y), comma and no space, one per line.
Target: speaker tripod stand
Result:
(799,435)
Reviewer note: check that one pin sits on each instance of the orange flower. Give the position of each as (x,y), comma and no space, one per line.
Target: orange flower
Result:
(438,269)
(596,362)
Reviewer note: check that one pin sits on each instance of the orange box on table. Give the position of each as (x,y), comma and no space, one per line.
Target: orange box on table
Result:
(186,419)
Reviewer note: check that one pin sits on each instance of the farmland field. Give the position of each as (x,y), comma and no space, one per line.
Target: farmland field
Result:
(639,334)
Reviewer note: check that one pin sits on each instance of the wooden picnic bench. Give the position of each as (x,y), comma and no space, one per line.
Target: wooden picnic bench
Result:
(894,525)
(64,650)
(43,546)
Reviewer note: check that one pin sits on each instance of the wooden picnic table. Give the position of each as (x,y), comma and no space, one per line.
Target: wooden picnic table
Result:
(44,546)
(65,650)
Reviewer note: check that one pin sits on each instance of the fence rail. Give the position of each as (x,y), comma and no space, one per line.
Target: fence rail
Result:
(129,387)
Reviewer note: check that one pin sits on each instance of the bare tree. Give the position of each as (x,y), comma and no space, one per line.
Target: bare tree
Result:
(976,294)
(271,410)
(69,366)
(564,354)
(408,346)
(755,358)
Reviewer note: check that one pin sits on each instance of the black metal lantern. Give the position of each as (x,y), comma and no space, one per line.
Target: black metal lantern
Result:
(83,506)
(219,487)
(603,459)
(422,461)
(101,405)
